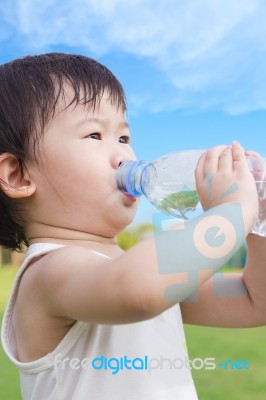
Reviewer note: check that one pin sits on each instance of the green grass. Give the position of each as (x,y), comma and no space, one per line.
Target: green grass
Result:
(224,344)
(9,377)
(221,344)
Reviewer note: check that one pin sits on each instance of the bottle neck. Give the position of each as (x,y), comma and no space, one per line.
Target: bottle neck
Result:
(129,176)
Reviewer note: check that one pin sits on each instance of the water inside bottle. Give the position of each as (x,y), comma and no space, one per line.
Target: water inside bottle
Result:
(184,204)
(180,204)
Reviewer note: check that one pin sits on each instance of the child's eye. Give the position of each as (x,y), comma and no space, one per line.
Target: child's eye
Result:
(124,139)
(95,135)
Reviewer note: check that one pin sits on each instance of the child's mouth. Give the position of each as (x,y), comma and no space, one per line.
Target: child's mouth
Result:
(131,198)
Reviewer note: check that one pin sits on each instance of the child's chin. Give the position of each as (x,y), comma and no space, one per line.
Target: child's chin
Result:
(126,220)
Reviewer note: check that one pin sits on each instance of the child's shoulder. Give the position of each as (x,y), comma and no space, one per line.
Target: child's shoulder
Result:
(81,284)
(64,267)
(52,289)
(63,263)
(40,311)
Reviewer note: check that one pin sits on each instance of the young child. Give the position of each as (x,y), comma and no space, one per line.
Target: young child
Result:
(86,320)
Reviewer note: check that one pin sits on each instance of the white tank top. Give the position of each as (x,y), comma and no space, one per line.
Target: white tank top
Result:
(139,361)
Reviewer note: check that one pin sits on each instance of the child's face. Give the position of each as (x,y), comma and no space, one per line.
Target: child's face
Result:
(76,178)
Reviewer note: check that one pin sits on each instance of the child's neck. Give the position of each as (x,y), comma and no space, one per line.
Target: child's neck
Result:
(48,234)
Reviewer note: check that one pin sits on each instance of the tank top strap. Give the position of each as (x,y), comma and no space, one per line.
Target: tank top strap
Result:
(37,249)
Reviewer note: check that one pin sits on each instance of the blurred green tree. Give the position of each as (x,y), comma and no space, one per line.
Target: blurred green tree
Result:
(130,237)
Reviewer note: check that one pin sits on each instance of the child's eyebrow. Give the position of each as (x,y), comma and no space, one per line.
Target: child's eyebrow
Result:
(100,121)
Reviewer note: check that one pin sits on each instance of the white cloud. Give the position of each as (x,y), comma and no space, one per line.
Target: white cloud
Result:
(211,51)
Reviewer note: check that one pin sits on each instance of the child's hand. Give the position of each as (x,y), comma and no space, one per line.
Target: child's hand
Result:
(258,169)
(223,176)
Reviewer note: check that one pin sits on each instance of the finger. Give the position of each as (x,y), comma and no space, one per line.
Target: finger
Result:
(239,157)
(199,170)
(251,153)
(212,159)
(226,160)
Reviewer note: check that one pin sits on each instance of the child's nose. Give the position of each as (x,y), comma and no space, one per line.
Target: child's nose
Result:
(118,158)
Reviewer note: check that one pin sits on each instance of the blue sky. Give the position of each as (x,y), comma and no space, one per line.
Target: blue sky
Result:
(194,71)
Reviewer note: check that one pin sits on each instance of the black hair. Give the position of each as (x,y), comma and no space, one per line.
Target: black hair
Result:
(30,88)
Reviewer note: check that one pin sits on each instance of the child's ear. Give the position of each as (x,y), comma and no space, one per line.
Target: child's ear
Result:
(13,183)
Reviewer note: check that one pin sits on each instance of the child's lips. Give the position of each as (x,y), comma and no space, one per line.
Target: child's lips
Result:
(131,198)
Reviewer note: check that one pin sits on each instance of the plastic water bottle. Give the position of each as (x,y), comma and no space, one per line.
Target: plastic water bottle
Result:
(169,184)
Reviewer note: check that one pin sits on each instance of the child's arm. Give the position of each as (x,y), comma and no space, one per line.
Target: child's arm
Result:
(233,300)
(72,282)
